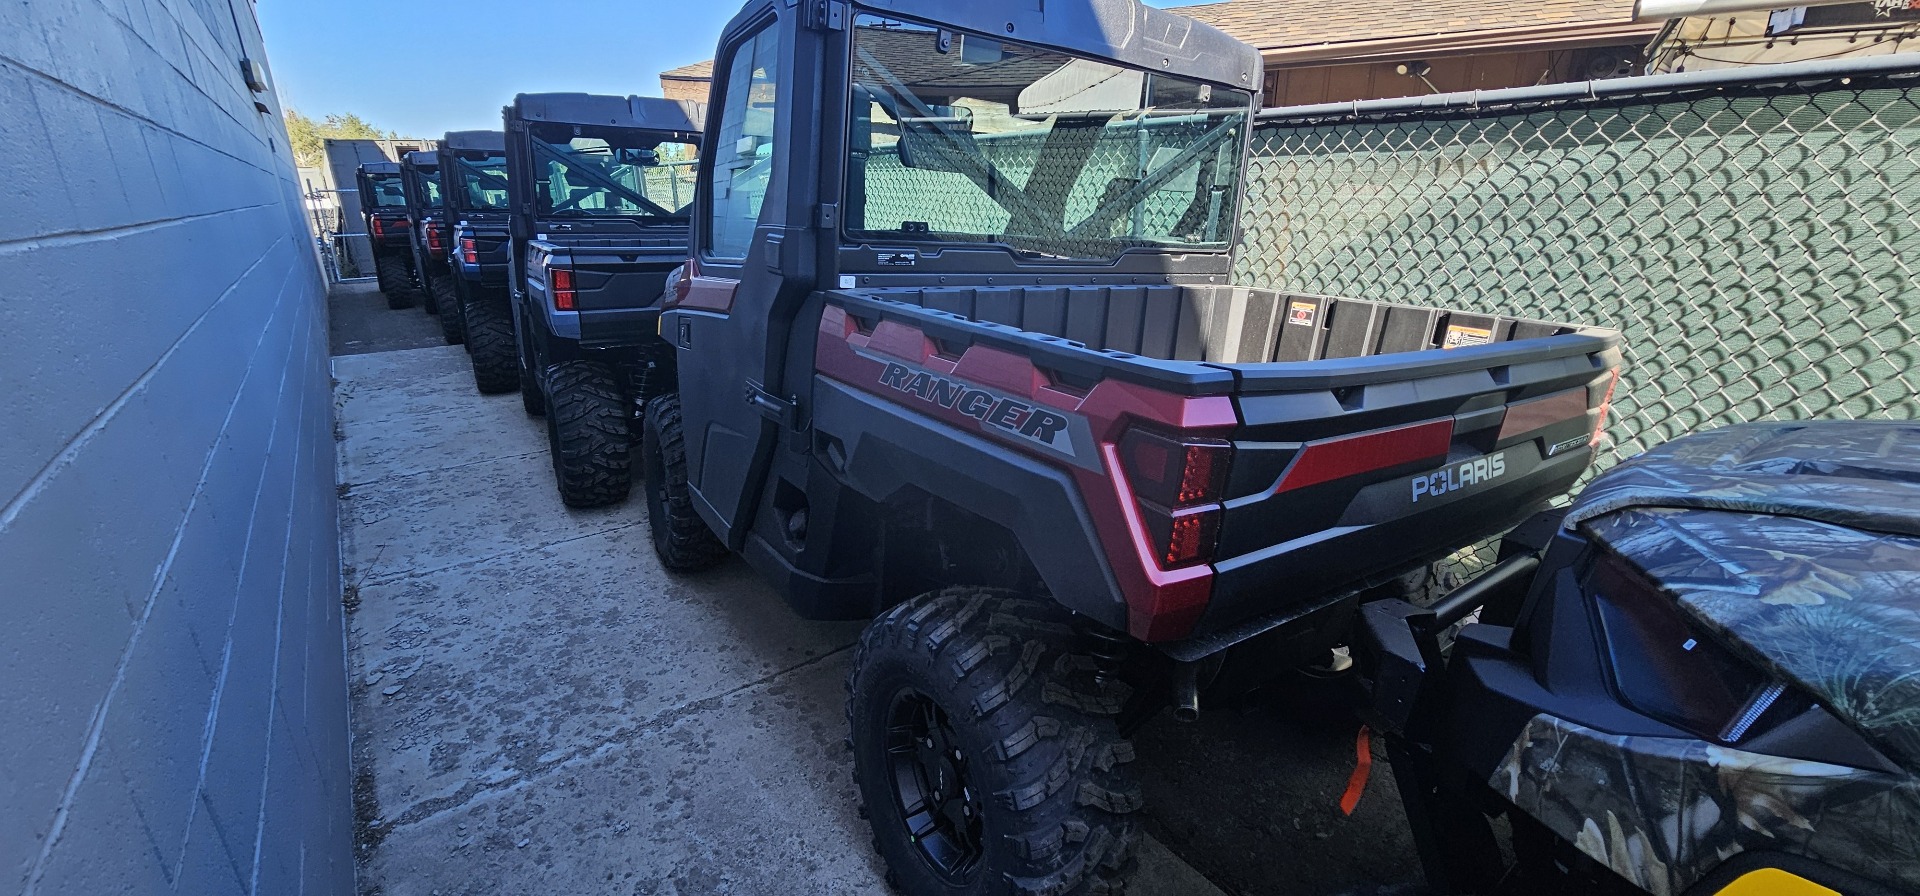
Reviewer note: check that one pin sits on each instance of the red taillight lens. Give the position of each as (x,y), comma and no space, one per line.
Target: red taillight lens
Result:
(1606,407)
(379,227)
(468,253)
(1173,472)
(1178,485)
(434,241)
(560,280)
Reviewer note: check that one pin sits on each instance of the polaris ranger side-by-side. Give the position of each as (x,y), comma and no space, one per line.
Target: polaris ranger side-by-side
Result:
(957,346)
(473,182)
(383,201)
(599,187)
(420,173)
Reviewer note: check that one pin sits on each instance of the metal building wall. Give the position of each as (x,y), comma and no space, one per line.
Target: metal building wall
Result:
(172,653)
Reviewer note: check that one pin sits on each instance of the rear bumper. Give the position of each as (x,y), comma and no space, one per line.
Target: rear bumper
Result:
(1279,580)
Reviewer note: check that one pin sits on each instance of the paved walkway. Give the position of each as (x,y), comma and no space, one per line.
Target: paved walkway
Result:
(539,708)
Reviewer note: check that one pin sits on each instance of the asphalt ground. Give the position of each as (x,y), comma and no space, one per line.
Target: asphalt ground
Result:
(539,708)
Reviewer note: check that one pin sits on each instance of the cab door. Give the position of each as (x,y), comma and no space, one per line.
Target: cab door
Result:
(752,263)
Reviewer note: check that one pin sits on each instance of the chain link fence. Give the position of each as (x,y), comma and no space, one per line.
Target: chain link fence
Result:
(1755,240)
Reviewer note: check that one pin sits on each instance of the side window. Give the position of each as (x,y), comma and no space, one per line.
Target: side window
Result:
(743,149)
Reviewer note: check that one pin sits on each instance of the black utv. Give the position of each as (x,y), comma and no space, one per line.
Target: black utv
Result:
(473,182)
(599,189)
(383,202)
(427,226)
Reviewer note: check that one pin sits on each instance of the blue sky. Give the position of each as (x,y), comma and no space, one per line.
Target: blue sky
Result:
(389,62)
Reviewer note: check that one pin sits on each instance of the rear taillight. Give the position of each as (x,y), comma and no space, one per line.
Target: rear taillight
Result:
(468,253)
(434,241)
(1606,406)
(683,287)
(379,227)
(560,281)
(1178,484)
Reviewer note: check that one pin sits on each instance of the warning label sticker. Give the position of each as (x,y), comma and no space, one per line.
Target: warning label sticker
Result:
(1301,313)
(1458,336)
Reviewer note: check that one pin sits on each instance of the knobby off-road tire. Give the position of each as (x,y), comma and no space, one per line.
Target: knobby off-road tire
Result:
(392,270)
(533,397)
(680,537)
(589,434)
(446,300)
(991,682)
(490,345)
(429,300)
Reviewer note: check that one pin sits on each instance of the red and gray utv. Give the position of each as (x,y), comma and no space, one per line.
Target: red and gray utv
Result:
(959,348)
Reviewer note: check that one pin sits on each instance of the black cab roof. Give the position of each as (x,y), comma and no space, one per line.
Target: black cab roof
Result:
(1124,31)
(421,159)
(377,168)
(646,113)
(486,141)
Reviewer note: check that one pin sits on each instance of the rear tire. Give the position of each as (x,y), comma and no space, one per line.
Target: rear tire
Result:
(589,434)
(395,281)
(986,752)
(490,345)
(680,537)
(446,303)
(429,299)
(533,399)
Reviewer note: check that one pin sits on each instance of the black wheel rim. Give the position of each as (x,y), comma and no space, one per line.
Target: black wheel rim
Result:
(936,800)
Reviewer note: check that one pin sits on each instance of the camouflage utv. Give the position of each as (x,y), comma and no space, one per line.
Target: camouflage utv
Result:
(1702,678)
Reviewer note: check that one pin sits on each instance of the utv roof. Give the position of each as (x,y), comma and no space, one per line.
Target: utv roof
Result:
(645,113)
(380,167)
(422,159)
(494,141)
(1125,31)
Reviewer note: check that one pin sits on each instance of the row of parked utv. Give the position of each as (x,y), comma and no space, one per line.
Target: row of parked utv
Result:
(545,249)
(930,317)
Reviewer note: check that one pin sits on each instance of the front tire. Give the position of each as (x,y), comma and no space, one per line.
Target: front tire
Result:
(985,749)
(446,301)
(394,281)
(589,434)
(490,345)
(680,537)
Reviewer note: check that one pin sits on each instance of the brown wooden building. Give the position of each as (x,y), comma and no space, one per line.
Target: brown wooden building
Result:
(688,82)
(1318,51)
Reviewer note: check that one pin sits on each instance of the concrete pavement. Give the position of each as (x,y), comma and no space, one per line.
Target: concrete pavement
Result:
(538,707)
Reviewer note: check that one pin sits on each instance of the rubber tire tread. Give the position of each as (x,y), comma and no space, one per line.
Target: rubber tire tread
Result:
(532,400)
(680,537)
(1037,725)
(490,344)
(447,301)
(429,300)
(392,270)
(590,434)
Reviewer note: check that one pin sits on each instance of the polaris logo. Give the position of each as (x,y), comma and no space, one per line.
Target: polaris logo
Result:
(1024,420)
(1453,478)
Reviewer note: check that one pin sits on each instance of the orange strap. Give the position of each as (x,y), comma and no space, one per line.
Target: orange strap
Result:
(1362,769)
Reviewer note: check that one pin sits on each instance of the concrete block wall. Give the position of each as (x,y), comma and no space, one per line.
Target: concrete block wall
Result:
(173,715)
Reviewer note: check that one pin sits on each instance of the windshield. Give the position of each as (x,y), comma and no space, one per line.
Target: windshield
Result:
(483,180)
(625,175)
(427,185)
(962,138)
(387,191)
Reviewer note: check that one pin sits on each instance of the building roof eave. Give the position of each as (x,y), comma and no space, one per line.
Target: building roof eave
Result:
(1456,43)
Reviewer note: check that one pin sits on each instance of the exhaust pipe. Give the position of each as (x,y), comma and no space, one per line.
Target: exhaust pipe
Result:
(1186,692)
